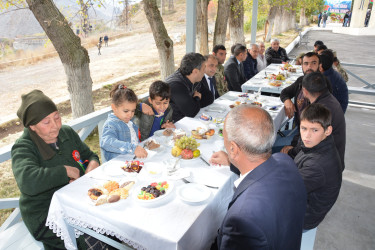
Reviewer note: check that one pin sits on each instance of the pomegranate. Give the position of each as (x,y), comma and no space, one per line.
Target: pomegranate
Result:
(187,154)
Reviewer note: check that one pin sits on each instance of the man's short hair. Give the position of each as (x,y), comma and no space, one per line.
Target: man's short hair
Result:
(218,47)
(260,135)
(326,59)
(310,54)
(321,47)
(210,56)
(315,83)
(318,42)
(161,89)
(239,49)
(275,40)
(252,45)
(191,61)
(234,47)
(317,113)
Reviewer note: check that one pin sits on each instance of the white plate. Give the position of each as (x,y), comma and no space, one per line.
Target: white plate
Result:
(157,201)
(193,193)
(116,170)
(159,133)
(217,109)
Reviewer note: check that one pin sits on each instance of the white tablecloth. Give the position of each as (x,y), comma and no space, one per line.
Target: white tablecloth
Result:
(171,224)
(260,81)
(231,97)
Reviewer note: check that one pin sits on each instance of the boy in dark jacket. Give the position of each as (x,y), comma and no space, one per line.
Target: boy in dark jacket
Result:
(159,97)
(318,163)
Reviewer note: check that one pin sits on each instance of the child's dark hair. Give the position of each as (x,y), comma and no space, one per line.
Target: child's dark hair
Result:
(317,113)
(120,93)
(160,88)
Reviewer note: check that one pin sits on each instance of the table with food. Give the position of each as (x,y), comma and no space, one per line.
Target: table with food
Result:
(173,199)
(273,79)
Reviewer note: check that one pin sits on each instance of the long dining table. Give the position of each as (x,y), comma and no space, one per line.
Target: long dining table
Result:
(186,217)
(263,80)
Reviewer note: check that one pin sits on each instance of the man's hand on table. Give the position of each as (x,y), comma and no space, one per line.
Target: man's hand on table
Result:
(286,149)
(168,124)
(289,108)
(92,165)
(72,173)
(220,158)
(196,93)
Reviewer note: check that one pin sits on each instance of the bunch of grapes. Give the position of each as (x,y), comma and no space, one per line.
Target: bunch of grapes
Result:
(187,142)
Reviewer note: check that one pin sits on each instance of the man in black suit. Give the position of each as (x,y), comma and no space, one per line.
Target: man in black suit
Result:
(185,99)
(268,206)
(233,68)
(207,87)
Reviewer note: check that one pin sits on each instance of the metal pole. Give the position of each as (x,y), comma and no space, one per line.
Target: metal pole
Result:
(254,22)
(191,25)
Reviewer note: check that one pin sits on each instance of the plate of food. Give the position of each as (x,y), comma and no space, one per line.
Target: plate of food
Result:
(153,145)
(164,132)
(153,193)
(193,193)
(109,192)
(202,133)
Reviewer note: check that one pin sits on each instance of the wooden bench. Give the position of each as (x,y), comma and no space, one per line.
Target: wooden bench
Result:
(13,232)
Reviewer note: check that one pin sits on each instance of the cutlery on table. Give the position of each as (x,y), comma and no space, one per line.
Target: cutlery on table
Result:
(204,160)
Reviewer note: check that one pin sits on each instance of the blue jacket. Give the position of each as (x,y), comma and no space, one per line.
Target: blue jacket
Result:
(250,66)
(116,138)
(267,209)
(339,87)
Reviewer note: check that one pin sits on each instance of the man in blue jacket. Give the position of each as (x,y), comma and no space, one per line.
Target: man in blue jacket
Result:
(250,64)
(269,203)
(339,87)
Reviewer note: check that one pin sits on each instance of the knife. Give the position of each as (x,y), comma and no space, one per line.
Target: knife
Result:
(208,164)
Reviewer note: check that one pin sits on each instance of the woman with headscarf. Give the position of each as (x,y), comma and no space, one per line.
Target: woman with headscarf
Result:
(46,157)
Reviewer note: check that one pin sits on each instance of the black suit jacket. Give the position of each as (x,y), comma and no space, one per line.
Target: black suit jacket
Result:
(267,209)
(207,96)
(234,75)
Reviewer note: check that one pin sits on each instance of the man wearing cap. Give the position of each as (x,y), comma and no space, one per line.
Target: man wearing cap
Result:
(45,158)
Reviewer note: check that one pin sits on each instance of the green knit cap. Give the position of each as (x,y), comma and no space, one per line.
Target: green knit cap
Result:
(35,107)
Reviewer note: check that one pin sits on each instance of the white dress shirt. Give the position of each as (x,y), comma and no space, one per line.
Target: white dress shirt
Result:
(239,180)
(262,62)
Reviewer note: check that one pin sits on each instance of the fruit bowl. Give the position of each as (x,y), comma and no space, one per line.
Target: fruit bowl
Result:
(186,147)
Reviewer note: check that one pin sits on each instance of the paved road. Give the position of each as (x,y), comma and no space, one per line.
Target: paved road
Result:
(350,223)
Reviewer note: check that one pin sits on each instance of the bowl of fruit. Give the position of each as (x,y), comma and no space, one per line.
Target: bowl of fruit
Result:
(154,193)
(186,147)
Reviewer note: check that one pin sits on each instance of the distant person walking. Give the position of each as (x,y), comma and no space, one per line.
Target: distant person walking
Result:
(106,40)
(319,18)
(346,19)
(100,45)
(325,17)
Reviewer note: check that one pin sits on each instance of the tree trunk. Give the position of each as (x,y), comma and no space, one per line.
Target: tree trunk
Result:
(271,19)
(236,16)
(302,18)
(221,22)
(170,5)
(202,26)
(163,42)
(277,21)
(73,56)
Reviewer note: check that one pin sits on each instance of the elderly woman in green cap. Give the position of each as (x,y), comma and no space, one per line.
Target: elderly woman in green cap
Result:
(45,158)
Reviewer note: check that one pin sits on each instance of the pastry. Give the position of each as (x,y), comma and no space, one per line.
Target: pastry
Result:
(178,133)
(111,185)
(168,132)
(113,198)
(127,185)
(151,144)
(101,200)
(122,192)
(95,193)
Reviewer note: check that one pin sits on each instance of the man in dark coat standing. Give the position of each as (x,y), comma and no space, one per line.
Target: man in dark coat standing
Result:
(185,99)
(233,68)
(269,203)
